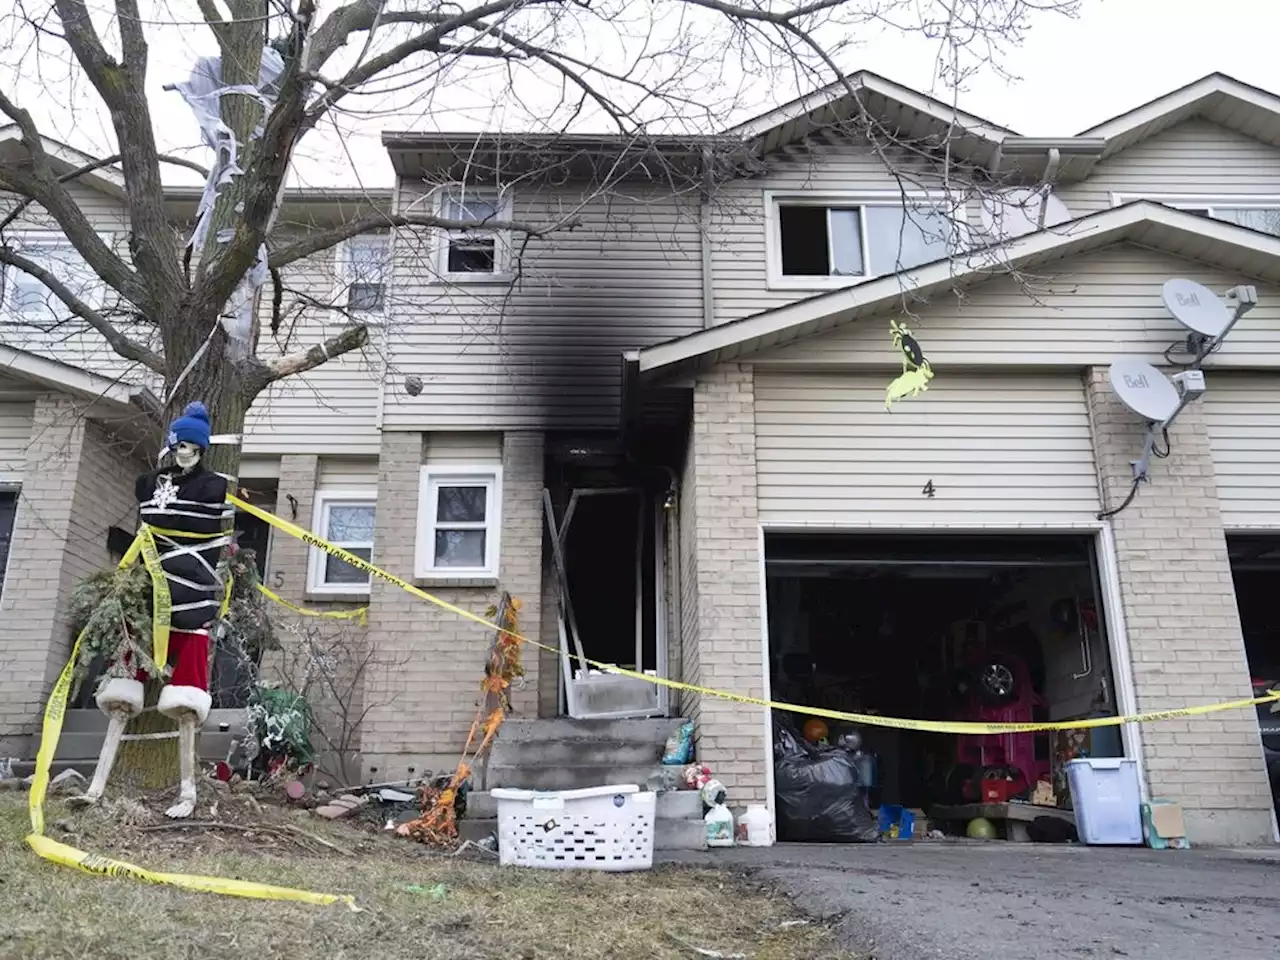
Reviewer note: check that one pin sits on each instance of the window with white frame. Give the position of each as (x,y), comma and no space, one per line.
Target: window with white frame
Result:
(27,300)
(460,517)
(363,267)
(8,512)
(1255,213)
(473,253)
(345,518)
(824,240)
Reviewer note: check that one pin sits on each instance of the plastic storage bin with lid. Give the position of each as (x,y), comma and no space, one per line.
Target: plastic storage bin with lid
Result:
(1107,800)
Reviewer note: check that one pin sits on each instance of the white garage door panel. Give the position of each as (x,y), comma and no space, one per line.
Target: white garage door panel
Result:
(1243,416)
(15,434)
(1003,451)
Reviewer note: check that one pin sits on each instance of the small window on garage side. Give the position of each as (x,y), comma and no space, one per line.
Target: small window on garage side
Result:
(344,518)
(460,515)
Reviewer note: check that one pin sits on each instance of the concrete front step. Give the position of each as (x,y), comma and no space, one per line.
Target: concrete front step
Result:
(671,805)
(568,776)
(594,752)
(640,730)
(668,834)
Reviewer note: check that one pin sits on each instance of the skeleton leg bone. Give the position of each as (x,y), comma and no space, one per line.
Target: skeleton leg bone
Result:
(120,698)
(186,804)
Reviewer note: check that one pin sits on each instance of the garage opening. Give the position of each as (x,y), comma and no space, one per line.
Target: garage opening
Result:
(945,627)
(1255,568)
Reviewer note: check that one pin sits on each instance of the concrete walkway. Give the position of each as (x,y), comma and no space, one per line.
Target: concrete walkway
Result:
(966,900)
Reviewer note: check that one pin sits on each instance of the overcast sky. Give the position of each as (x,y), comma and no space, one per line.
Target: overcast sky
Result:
(1073,74)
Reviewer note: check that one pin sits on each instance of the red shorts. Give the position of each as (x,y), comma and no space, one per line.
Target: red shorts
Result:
(189,658)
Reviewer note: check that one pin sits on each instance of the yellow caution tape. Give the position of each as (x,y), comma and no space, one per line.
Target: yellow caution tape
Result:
(56,852)
(161,601)
(55,712)
(360,614)
(874,720)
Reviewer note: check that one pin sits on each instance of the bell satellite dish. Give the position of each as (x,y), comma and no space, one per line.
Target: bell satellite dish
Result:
(1144,390)
(1196,307)
(1016,212)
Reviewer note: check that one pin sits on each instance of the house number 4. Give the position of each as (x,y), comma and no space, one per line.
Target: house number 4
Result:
(929,489)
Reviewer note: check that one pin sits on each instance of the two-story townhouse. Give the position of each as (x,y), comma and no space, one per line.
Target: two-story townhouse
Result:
(664,431)
(734,508)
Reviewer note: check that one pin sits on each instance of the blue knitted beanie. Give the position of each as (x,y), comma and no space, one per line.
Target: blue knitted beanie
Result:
(191,427)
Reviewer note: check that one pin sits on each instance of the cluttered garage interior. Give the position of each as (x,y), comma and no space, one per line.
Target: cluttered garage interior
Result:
(987,629)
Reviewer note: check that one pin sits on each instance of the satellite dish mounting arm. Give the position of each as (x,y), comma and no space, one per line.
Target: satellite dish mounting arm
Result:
(1190,384)
(1242,299)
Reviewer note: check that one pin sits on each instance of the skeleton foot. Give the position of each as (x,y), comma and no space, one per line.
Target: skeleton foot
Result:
(185,806)
(83,800)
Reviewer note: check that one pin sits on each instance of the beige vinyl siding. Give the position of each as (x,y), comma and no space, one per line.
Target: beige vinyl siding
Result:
(65,337)
(1077,312)
(334,408)
(545,350)
(15,434)
(348,473)
(1001,450)
(1242,412)
(463,448)
(1195,157)
(738,222)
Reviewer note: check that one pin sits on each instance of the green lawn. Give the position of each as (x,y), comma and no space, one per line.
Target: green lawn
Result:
(485,911)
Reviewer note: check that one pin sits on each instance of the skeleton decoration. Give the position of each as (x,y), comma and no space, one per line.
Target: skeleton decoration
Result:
(185,505)
(916,372)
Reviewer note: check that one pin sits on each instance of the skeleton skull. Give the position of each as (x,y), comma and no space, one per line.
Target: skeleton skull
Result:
(187,455)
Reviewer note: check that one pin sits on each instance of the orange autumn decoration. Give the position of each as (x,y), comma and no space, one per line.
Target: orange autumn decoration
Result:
(438,824)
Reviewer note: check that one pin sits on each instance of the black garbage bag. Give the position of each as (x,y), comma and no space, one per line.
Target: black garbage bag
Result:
(819,797)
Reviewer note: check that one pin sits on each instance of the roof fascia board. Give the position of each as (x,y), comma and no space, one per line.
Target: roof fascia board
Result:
(62,376)
(885,291)
(1180,99)
(865,80)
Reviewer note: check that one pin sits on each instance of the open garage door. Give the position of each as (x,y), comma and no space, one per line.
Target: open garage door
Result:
(945,627)
(989,450)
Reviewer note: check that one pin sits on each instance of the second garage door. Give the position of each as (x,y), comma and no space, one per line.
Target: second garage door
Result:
(973,451)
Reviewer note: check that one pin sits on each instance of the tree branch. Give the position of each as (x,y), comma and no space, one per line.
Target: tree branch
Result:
(316,241)
(121,344)
(352,338)
(88,168)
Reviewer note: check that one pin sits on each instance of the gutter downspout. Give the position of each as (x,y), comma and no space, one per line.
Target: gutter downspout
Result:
(704,243)
(1046,182)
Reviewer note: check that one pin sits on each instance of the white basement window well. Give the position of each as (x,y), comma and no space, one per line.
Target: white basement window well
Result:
(363,267)
(345,518)
(474,254)
(460,522)
(820,241)
(1261,213)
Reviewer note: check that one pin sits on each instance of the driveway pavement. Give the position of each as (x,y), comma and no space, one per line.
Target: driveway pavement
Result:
(1004,901)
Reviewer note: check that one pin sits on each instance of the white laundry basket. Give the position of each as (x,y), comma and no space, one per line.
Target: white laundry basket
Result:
(597,828)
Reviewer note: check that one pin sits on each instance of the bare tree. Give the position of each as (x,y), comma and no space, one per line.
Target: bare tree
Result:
(643,68)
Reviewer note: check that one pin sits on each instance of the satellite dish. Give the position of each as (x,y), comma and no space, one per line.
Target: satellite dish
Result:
(1144,390)
(1016,212)
(1196,307)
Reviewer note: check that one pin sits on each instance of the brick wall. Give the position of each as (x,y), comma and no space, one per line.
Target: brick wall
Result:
(421,696)
(77,483)
(721,642)
(1183,626)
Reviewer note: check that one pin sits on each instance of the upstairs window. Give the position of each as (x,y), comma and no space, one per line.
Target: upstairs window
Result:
(363,266)
(27,300)
(8,512)
(820,242)
(1254,213)
(474,253)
